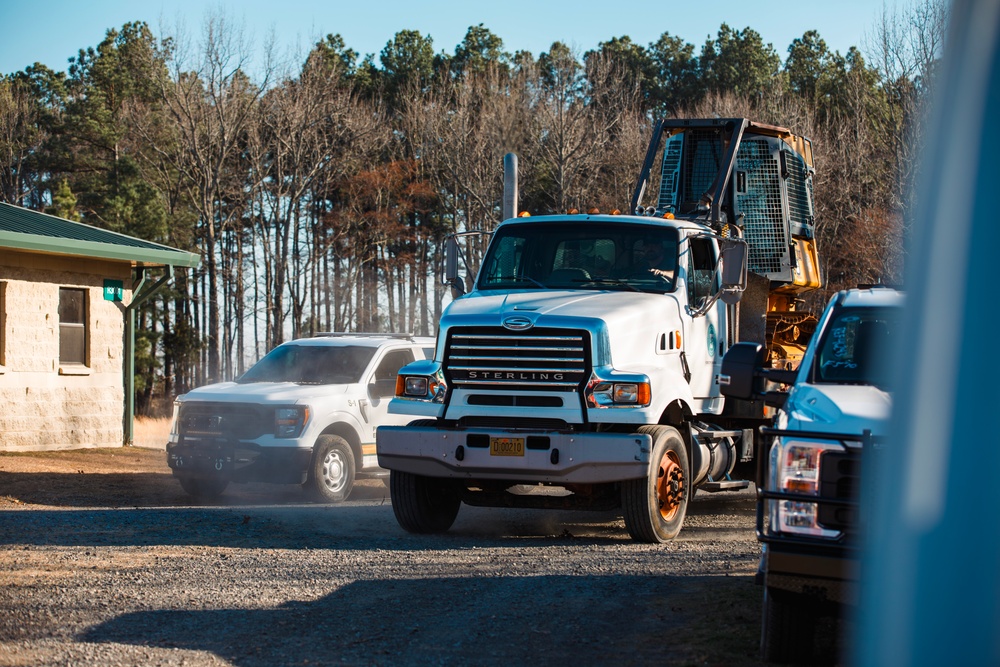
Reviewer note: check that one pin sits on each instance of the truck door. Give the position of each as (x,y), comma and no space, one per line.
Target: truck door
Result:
(705,337)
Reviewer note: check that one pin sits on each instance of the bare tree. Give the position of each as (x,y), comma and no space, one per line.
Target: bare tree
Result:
(209,100)
(20,138)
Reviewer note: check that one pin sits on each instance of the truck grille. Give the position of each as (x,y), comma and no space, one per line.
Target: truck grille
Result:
(535,360)
(239,421)
(840,479)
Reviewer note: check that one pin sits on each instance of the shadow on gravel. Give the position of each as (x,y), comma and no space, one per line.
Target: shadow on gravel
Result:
(349,526)
(546,620)
(134,489)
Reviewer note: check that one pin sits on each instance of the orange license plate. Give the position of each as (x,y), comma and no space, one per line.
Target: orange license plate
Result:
(506,446)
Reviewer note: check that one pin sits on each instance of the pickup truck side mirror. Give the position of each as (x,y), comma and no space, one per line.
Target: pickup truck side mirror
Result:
(740,367)
(744,375)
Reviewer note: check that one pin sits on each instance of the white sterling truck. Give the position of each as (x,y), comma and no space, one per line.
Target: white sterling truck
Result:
(582,368)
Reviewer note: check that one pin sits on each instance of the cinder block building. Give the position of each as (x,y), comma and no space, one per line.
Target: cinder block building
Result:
(68,294)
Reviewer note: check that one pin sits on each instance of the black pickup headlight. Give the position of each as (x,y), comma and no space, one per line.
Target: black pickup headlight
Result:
(796,468)
(289,422)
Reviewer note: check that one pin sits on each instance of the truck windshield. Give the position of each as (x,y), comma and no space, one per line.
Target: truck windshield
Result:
(855,346)
(311,364)
(586,256)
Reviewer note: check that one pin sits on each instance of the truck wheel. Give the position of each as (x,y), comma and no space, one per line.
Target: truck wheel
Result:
(788,630)
(654,507)
(332,474)
(422,504)
(204,489)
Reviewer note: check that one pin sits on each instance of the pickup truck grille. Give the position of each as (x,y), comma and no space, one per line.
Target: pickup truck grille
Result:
(538,359)
(840,479)
(240,421)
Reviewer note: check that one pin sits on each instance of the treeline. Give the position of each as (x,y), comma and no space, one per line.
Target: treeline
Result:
(318,196)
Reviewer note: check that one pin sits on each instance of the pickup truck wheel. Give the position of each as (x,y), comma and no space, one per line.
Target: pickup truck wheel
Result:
(422,504)
(788,630)
(332,474)
(204,489)
(654,507)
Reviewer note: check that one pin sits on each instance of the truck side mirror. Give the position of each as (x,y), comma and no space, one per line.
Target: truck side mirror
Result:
(734,269)
(743,361)
(451,277)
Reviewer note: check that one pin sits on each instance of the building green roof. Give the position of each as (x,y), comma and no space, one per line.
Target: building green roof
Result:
(24,229)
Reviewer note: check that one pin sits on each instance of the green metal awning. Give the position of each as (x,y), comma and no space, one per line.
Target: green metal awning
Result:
(24,229)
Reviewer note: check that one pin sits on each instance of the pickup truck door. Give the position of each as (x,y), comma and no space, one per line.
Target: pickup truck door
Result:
(381,388)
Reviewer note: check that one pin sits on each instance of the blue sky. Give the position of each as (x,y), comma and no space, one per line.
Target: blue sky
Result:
(51,31)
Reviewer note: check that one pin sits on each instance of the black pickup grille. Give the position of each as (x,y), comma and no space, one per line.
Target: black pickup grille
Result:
(840,479)
(240,421)
(539,359)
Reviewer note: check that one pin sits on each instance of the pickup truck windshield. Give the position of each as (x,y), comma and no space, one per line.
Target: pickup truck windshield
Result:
(855,345)
(311,364)
(575,255)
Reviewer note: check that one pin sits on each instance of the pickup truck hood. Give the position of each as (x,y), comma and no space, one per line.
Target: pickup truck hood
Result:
(837,408)
(262,392)
(631,321)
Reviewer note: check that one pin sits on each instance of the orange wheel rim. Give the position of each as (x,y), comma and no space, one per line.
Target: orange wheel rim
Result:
(669,486)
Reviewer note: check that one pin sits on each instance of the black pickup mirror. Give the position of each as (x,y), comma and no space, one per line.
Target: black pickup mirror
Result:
(745,377)
(741,365)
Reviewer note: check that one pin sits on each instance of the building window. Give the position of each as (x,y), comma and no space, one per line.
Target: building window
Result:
(72,326)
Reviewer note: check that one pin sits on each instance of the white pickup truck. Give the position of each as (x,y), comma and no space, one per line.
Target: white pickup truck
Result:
(305,413)
(831,420)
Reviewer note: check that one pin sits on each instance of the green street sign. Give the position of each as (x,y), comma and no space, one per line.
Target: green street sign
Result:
(113,290)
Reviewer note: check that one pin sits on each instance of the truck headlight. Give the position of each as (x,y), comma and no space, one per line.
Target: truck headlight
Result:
(289,422)
(421,387)
(605,394)
(796,467)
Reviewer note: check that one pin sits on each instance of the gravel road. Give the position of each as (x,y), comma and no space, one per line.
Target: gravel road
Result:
(90,574)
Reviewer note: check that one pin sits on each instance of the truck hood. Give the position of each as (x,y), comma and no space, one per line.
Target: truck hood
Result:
(262,392)
(628,322)
(834,408)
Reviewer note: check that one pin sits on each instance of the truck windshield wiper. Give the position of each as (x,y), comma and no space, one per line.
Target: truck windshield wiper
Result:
(517,279)
(614,281)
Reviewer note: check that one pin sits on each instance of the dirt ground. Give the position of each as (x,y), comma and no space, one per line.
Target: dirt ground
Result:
(706,573)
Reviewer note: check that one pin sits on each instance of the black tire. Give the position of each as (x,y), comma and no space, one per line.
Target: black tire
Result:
(203,488)
(654,507)
(422,504)
(331,478)
(788,628)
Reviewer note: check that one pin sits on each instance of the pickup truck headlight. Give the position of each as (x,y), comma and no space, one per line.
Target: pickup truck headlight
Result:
(289,422)
(421,387)
(795,467)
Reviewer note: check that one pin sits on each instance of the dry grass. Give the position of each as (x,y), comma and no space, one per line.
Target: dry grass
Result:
(151,432)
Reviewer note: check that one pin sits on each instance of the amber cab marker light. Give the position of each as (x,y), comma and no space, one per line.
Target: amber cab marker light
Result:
(524,214)
(593,211)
